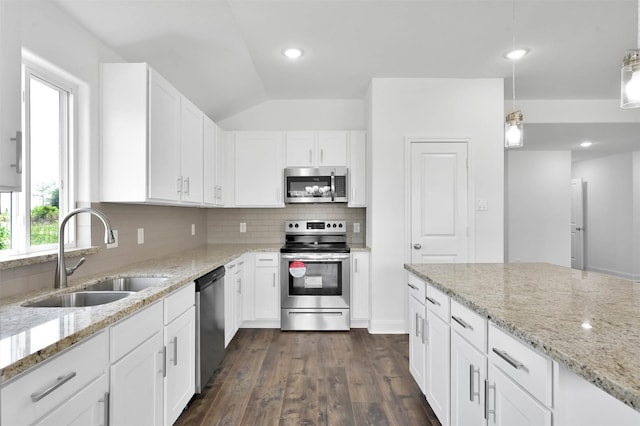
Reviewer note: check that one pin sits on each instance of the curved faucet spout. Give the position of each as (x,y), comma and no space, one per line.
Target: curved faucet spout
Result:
(61,270)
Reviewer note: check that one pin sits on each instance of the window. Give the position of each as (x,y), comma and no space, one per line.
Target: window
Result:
(29,219)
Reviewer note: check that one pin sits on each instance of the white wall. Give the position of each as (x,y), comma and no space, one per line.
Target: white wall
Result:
(300,114)
(470,109)
(609,214)
(636,216)
(538,198)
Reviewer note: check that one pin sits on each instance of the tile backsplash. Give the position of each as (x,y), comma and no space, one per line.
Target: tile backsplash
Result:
(266,226)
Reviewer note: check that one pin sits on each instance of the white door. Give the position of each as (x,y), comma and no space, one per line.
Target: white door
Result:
(439,216)
(577,224)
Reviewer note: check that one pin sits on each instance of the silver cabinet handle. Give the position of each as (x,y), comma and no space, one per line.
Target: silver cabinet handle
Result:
(462,322)
(432,301)
(310,157)
(163,352)
(487,411)
(264,259)
(180,185)
(424,321)
(175,350)
(18,141)
(231,266)
(472,383)
(510,360)
(321,155)
(239,286)
(413,286)
(186,182)
(356,262)
(37,396)
(417,246)
(274,279)
(105,400)
(417,325)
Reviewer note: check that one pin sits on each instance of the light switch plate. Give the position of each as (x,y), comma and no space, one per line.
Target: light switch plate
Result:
(140,235)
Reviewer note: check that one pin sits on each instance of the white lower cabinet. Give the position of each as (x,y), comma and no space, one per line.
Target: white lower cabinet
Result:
(360,289)
(417,347)
(266,286)
(233,302)
(468,373)
(437,335)
(63,390)
(508,404)
(137,368)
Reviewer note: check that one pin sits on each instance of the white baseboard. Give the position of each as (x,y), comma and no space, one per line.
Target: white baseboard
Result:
(388,327)
(359,323)
(261,324)
(614,273)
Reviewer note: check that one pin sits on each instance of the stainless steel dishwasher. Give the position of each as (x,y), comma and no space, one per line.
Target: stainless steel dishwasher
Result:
(209,325)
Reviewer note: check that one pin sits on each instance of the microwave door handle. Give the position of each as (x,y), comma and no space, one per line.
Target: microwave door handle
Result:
(333,186)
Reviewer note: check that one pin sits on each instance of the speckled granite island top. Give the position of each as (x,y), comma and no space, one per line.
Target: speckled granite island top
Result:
(545,306)
(31,335)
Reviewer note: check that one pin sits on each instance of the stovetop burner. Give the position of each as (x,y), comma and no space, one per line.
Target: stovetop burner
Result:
(315,236)
(315,248)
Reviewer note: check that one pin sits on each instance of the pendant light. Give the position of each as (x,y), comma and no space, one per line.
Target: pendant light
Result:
(514,129)
(630,78)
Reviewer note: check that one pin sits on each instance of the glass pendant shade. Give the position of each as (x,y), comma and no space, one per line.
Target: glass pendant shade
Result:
(630,80)
(514,130)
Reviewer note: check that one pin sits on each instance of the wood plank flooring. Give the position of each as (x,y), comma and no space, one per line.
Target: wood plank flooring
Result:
(270,377)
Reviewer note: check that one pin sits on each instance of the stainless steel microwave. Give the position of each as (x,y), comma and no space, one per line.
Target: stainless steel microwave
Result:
(315,185)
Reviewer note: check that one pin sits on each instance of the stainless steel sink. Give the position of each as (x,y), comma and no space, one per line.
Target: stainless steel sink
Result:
(126,284)
(79,299)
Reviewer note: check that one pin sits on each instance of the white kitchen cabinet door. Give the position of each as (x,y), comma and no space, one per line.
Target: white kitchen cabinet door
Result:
(209,155)
(300,149)
(258,169)
(89,407)
(360,286)
(191,150)
(165,182)
(417,346)
(332,149)
(357,169)
(241,289)
(266,287)
(437,361)
(179,383)
(508,404)
(137,385)
(221,175)
(230,326)
(10,98)
(468,373)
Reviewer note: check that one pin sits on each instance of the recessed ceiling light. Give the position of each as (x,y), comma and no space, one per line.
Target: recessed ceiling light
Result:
(292,53)
(586,144)
(586,325)
(516,53)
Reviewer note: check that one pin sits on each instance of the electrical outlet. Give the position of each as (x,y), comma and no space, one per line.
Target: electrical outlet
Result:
(482,205)
(193,229)
(243,227)
(115,236)
(356,227)
(140,235)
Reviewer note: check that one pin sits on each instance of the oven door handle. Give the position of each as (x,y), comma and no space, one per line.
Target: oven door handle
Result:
(315,256)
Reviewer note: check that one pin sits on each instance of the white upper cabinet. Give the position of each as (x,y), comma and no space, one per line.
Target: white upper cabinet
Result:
(10,98)
(258,169)
(357,169)
(152,139)
(316,149)
(213,163)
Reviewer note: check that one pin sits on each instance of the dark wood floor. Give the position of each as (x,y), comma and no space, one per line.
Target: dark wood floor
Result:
(269,377)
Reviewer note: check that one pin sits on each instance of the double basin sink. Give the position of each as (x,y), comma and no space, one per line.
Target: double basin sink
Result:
(99,293)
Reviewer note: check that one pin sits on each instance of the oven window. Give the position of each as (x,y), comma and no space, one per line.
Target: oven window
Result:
(319,279)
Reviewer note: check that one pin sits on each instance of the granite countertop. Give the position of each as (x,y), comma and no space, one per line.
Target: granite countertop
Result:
(29,336)
(546,306)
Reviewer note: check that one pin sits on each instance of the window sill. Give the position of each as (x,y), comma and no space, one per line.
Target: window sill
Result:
(42,257)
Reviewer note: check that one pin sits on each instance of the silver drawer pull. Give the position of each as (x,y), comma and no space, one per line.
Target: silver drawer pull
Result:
(413,286)
(433,301)
(487,411)
(35,397)
(472,384)
(462,322)
(512,361)
(105,400)
(326,314)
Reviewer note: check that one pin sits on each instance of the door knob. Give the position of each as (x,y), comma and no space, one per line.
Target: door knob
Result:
(417,246)
(578,229)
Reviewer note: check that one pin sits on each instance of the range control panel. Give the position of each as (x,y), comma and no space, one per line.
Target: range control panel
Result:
(315,226)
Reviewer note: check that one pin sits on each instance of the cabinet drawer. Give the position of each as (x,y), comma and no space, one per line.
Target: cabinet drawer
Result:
(70,371)
(134,330)
(416,288)
(437,302)
(178,302)
(469,325)
(266,259)
(527,367)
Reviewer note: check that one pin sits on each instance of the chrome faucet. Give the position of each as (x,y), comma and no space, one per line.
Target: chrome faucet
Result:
(61,270)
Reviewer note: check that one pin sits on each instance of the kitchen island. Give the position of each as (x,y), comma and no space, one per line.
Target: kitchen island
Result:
(584,321)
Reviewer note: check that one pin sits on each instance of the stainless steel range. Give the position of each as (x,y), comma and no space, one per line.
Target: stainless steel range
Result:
(314,275)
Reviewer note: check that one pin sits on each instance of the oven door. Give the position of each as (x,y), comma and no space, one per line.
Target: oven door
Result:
(315,280)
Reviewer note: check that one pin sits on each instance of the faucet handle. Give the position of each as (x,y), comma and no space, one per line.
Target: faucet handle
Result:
(72,269)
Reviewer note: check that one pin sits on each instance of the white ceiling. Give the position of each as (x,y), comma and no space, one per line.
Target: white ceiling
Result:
(225,55)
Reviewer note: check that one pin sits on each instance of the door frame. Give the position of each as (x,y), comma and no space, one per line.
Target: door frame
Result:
(408,141)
